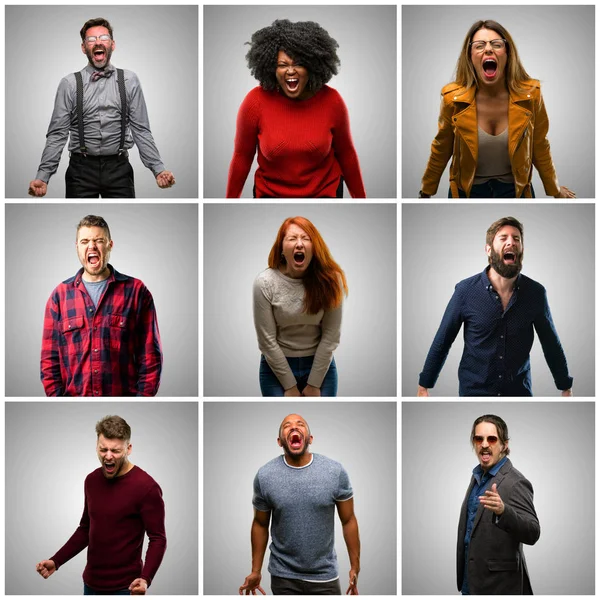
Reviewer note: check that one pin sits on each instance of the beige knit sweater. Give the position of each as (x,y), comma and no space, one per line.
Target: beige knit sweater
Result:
(284,329)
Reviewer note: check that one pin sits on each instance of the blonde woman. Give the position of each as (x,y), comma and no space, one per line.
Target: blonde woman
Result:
(493,124)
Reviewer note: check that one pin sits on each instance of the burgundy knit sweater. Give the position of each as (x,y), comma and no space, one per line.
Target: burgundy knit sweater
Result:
(116,514)
(304,146)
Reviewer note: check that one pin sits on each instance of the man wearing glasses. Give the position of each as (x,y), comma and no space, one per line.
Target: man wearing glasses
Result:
(497,517)
(104,112)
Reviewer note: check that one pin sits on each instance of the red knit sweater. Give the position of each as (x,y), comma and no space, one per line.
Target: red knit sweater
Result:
(116,514)
(304,146)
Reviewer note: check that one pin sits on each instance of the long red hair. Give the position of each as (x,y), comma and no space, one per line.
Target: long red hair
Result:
(324,281)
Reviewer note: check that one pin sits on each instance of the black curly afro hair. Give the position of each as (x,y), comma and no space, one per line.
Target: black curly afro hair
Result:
(306,42)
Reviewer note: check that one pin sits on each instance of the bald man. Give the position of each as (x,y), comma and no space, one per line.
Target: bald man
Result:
(300,490)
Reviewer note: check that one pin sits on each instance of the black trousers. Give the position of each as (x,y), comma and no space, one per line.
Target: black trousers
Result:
(282,586)
(94,176)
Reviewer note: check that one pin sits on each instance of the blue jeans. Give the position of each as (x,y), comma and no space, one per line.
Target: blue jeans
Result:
(491,189)
(88,591)
(300,366)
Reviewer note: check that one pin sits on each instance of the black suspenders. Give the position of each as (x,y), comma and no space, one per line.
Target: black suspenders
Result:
(79,94)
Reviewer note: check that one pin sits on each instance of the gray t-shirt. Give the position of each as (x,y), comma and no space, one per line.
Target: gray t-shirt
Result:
(302,502)
(95,289)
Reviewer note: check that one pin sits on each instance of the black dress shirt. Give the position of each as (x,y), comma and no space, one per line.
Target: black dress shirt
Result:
(495,360)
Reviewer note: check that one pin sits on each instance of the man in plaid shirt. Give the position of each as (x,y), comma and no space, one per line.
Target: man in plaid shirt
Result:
(100,330)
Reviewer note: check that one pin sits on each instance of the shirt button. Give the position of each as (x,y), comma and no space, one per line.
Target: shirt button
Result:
(501,357)
(499,394)
(501,337)
(96,371)
(96,392)
(91,310)
(499,376)
(121,323)
(95,329)
(95,349)
(69,327)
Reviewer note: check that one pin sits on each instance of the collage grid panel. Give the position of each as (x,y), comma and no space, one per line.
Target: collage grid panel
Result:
(196,207)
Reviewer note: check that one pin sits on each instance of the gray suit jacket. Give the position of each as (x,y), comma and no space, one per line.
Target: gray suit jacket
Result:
(496,562)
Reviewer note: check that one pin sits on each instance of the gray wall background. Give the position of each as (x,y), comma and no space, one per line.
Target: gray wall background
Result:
(159,43)
(556,46)
(240,437)
(366,82)
(237,242)
(51,448)
(551,443)
(156,243)
(444,244)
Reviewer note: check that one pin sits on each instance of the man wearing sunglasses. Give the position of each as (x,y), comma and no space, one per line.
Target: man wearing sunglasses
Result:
(497,517)
(499,309)
(103,111)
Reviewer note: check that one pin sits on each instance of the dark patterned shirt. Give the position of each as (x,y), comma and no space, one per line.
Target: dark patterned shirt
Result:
(495,360)
(111,350)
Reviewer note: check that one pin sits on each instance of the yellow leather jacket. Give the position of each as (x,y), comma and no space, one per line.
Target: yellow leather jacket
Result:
(457,138)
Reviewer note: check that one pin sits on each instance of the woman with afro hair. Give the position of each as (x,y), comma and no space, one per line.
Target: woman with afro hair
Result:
(299,124)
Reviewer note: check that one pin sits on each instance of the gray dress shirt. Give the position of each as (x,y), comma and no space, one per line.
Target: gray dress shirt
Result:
(101,121)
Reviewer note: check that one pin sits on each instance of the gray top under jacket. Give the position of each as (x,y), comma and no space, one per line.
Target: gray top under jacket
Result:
(493,160)
(302,502)
(101,121)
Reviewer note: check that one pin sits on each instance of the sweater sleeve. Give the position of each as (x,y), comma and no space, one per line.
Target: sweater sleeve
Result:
(345,151)
(77,542)
(330,338)
(266,332)
(153,517)
(244,149)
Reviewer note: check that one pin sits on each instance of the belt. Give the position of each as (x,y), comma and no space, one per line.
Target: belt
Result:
(81,157)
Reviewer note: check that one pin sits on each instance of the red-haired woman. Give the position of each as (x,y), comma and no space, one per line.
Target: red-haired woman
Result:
(298,313)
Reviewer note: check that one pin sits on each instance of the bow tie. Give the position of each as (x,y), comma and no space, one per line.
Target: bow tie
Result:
(98,74)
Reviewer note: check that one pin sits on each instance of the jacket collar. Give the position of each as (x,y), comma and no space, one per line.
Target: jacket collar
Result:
(467,95)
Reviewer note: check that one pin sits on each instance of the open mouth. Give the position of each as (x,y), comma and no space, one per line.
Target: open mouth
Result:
(295,441)
(93,259)
(510,258)
(99,54)
(299,258)
(490,67)
(110,467)
(292,84)
(486,457)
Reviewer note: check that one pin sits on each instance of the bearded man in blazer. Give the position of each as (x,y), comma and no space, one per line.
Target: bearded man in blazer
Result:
(497,517)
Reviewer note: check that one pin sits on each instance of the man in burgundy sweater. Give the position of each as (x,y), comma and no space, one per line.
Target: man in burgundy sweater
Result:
(121,503)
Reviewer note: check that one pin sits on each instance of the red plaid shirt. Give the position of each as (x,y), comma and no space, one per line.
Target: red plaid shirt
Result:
(111,350)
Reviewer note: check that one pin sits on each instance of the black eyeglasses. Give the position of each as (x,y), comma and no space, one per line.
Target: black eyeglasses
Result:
(491,439)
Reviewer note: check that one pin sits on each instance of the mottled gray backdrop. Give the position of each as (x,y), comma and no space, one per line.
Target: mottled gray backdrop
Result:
(444,244)
(237,242)
(51,448)
(551,443)
(156,243)
(240,437)
(366,82)
(556,46)
(158,43)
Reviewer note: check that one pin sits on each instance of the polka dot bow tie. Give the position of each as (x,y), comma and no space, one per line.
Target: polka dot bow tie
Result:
(98,74)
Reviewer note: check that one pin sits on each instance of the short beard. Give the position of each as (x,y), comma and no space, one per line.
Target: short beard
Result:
(90,55)
(291,454)
(506,271)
